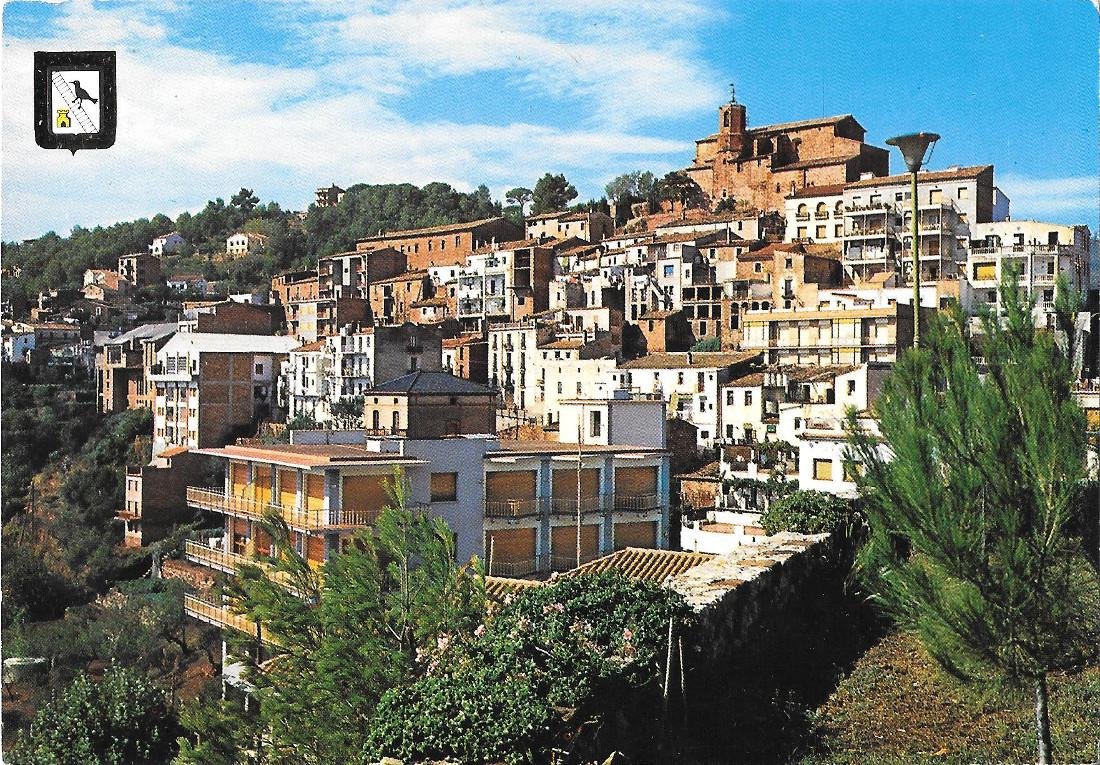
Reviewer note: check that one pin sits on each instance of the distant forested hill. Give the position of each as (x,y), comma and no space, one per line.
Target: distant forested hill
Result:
(53,261)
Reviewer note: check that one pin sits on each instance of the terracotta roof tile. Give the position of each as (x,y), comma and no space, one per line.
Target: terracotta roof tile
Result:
(647,565)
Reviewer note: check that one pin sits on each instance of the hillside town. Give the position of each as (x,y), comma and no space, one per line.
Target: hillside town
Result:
(631,386)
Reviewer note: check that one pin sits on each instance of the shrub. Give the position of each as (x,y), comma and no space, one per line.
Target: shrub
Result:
(564,663)
(122,718)
(809,512)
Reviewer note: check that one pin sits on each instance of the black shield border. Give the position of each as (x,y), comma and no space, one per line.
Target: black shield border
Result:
(104,61)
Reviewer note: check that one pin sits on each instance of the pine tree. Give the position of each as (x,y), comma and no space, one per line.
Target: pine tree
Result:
(971,490)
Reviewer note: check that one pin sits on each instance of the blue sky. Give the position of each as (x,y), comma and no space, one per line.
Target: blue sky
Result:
(285,96)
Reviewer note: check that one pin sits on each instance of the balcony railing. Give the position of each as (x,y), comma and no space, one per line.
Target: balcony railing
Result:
(512,508)
(569,562)
(513,568)
(639,503)
(568,506)
(220,616)
(219,502)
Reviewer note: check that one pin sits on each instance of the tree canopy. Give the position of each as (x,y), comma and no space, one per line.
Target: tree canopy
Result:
(552,193)
(972,504)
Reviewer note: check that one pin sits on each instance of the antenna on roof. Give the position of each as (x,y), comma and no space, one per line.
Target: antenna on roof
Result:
(733,93)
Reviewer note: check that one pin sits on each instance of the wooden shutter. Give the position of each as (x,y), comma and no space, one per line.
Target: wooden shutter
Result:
(288,488)
(238,479)
(510,484)
(315,491)
(635,481)
(635,534)
(261,481)
(565,483)
(563,542)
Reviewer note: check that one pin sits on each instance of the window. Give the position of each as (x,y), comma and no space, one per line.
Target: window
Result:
(838,231)
(758,267)
(595,424)
(444,487)
(801,232)
(259,369)
(823,470)
(788,263)
(820,232)
(669,270)
(934,196)
(963,192)
(851,387)
(748,398)
(851,471)
(375,420)
(396,421)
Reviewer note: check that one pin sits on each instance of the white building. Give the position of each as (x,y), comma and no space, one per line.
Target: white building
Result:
(180,283)
(1039,253)
(815,214)
(245,243)
(167,244)
(690,382)
(345,366)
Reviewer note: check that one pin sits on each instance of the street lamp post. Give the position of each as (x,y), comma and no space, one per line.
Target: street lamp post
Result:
(912,147)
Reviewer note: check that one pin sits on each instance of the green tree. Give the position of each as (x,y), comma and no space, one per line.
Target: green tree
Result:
(245,200)
(637,186)
(519,196)
(118,720)
(552,193)
(678,186)
(350,631)
(971,498)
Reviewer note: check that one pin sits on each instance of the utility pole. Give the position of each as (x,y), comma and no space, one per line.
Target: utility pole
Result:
(580,442)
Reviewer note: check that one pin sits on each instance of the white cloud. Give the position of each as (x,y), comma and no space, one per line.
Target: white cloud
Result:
(194,124)
(1057,197)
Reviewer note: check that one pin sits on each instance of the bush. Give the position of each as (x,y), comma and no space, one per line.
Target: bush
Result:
(708,344)
(560,665)
(809,512)
(122,718)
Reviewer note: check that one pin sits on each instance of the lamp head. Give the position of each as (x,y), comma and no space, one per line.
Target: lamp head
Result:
(912,147)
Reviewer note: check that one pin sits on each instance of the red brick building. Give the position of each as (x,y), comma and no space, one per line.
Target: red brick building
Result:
(444,245)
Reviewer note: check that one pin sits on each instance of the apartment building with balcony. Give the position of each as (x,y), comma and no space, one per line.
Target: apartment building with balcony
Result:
(815,214)
(505,283)
(209,386)
(1039,253)
(949,202)
(511,503)
(846,329)
(689,382)
(348,364)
